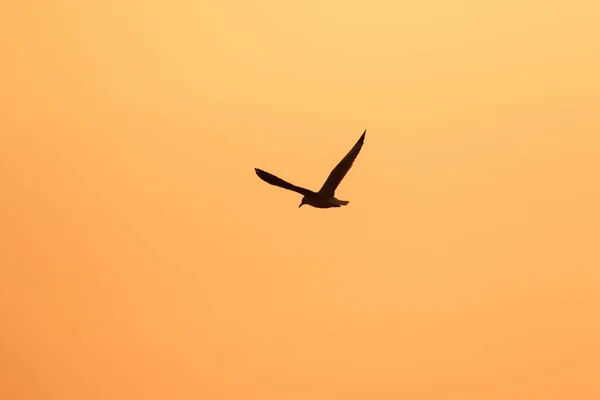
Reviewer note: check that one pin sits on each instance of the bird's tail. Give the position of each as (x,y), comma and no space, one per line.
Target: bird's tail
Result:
(343,202)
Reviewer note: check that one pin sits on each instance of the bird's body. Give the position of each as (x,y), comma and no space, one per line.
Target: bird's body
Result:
(320,201)
(325,197)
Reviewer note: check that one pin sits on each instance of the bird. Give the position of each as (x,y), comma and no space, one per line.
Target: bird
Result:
(325,197)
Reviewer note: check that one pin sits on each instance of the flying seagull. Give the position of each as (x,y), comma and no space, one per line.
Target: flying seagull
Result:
(324,198)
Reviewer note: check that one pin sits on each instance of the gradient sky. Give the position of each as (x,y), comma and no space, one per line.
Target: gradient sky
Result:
(141,257)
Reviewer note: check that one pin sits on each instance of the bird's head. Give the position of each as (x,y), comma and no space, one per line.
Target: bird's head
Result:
(303,202)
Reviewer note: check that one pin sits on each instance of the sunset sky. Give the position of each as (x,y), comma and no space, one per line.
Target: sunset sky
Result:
(142,258)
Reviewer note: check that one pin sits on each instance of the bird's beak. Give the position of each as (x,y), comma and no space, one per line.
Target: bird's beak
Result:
(300,205)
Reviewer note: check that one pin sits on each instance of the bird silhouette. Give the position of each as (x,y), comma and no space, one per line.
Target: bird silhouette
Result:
(325,197)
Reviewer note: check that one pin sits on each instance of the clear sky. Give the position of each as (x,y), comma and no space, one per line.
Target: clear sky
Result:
(142,258)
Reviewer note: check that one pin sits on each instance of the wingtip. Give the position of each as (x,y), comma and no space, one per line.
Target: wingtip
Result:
(260,173)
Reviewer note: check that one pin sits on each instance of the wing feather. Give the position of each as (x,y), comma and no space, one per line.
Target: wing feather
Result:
(273,180)
(340,170)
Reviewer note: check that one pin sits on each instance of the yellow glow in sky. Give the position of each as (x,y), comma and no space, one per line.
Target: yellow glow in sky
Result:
(141,257)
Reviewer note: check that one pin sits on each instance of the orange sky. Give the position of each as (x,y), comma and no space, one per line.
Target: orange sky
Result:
(141,257)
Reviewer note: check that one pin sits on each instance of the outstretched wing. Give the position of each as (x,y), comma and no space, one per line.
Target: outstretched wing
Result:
(273,180)
(340,171)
